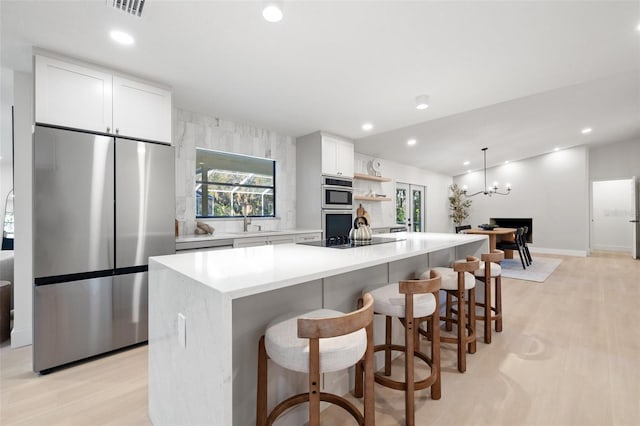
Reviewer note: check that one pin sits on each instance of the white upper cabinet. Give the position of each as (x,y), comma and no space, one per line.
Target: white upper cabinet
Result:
(337,157)
(72,96)
(141,110)
(84,98)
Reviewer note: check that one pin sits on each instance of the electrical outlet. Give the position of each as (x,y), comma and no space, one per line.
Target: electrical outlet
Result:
(182,330)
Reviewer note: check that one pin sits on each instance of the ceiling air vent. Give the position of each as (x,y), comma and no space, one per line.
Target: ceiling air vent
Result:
(132,7)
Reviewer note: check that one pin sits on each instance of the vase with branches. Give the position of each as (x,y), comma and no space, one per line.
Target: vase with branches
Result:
(458,205)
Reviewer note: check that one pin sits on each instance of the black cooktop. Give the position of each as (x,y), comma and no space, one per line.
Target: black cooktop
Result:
(345,243)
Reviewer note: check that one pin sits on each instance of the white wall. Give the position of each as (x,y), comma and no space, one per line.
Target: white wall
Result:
(193,130)
(383,212)
(552,189)
(23,270)
(615,161)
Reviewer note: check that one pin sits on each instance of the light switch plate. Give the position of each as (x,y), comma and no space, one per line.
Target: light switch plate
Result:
(182,330)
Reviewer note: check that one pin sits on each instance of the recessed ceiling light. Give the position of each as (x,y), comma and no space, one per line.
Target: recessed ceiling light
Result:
(411,142)
(272,13)
(422,102)
(367,126)
(121,37)
(506,162)
(556,149)
(638,27)
(466,163)
(587,130)
(468,171)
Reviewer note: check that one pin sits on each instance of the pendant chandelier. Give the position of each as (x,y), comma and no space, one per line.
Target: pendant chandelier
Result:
(488,190)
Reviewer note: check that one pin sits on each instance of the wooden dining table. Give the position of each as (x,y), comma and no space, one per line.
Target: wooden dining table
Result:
(494,235)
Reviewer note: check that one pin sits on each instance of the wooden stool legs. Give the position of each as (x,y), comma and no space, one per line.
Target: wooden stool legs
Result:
(499,304)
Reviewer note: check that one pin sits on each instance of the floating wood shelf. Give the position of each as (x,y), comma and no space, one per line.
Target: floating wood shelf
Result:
(370,177)
(363,198)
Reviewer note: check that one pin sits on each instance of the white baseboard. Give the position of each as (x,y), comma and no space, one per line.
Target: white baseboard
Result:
(564,252)
(623,249)
(21,338)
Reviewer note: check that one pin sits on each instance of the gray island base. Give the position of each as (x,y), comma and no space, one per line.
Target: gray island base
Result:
(207,311)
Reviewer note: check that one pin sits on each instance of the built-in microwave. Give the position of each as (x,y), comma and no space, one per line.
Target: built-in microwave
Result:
(337,193)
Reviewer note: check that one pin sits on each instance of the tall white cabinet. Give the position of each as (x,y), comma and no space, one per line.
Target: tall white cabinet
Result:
(318,154)
(87,98)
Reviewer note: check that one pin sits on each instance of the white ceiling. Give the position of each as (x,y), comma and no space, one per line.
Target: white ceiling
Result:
(518,77)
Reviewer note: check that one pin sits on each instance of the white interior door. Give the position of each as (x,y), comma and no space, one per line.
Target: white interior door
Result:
(612,210)
(410,201)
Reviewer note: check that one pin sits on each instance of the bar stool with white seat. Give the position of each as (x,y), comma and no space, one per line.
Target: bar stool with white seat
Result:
(456,282)
(413,302)
(318,342)
(490,268)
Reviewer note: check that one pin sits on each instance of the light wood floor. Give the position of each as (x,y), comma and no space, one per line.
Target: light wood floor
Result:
(569,355)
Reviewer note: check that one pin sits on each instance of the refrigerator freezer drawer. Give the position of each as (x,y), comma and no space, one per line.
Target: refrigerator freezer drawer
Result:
(71,321)
(80,319)
(130,301)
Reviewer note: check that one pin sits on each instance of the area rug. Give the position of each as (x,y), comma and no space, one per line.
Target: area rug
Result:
(538,271)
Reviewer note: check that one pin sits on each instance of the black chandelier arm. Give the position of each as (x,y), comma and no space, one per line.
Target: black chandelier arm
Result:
(490,190)
(474,194)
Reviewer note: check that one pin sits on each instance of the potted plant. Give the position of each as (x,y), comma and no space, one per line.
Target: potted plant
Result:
(458,205)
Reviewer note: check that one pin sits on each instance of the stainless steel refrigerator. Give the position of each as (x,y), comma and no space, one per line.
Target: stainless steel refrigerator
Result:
(101,207)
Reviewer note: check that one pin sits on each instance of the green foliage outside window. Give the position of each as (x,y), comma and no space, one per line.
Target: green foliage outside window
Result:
(231,185)
(401,214)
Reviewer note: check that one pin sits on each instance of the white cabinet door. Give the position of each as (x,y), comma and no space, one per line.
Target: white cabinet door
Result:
(250,242)
(344,158)
(282,239)
(305,238)
(72,96)
(141,111)
(329,156)
(337,157)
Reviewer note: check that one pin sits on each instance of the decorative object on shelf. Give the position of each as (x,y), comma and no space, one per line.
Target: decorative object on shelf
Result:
(361,230)
(203,228)
(375,167)
(488,190)
(458,206)
(361,212)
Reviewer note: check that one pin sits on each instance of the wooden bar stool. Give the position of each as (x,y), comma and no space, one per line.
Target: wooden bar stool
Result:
(412,301)
(456,282)
(318,342)
(490,268)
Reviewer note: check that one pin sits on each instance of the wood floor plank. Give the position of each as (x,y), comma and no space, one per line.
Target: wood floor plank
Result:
(569,355)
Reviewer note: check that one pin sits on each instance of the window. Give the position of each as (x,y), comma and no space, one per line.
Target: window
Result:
(230,185)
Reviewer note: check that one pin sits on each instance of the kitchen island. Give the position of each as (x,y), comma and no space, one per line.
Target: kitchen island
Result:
(207,311)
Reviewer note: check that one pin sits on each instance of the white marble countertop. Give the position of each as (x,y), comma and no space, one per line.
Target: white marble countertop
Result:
(236,235)
(242,272)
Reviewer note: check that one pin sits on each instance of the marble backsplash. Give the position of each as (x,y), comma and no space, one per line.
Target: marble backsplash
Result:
(193,130)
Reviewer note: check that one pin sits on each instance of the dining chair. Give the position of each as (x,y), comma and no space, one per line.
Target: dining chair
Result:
(516,244)
(461,228)
(525,245)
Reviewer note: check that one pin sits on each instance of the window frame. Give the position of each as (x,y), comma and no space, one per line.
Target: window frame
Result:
(204,184)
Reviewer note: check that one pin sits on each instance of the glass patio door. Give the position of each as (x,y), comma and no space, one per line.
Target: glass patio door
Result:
(410,206)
